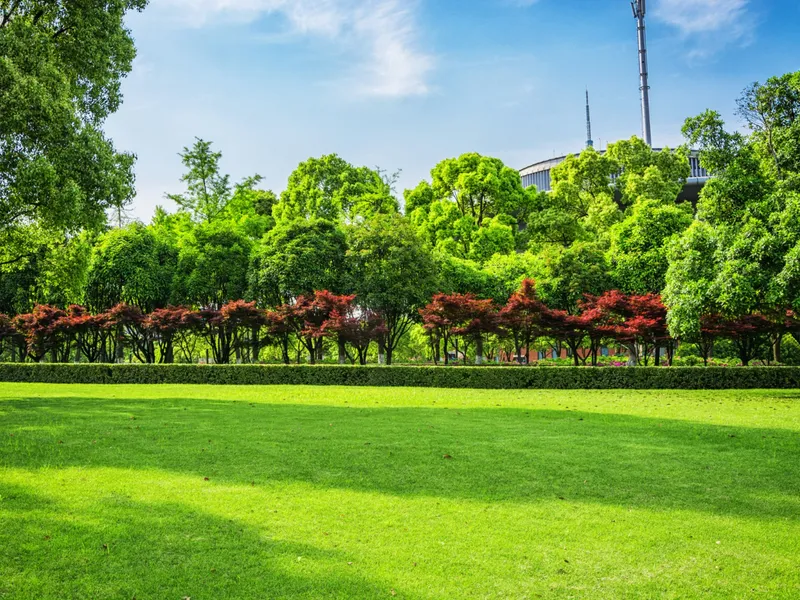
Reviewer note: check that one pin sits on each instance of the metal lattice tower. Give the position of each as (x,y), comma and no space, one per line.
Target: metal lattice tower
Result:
(639,11)
(589,141)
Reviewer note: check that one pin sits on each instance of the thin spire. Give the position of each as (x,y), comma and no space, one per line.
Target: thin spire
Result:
(639,12)
(589,141)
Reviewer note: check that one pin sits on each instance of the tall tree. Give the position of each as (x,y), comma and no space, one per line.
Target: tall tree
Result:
(61,64)
(474,208)
(208,191)
(392,274)
(130,266)
(638,252)
(749,210)
(481,187)
(332,189)
(297,258)
(212,266)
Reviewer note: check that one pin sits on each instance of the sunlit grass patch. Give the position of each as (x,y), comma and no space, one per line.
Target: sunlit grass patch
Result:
(226,492)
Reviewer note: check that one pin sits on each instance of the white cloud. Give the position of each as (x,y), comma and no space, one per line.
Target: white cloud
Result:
(383,33)
(727,20)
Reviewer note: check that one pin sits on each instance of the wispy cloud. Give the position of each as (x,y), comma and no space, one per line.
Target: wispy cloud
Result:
(382,33)
(727,20)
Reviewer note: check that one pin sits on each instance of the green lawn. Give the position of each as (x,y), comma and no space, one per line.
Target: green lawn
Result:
(168,492)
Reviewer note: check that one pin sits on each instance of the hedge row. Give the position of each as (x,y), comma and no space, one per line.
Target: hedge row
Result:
(412,376)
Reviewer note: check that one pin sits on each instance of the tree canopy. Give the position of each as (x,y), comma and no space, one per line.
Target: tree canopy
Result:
(61,65)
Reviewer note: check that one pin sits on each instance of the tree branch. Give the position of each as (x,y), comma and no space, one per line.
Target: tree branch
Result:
(61,31)
(9,13)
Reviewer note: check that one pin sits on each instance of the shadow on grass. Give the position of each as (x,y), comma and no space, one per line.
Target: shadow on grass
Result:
(508,454)
(121,548)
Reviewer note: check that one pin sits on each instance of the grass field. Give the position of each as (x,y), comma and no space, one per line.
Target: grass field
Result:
(210,493)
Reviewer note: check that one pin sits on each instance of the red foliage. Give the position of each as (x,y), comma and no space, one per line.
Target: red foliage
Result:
(43,331)
(358,329)
(747,332)
(87,330)
(281,323)
(311,314)
(570,329)
(166,324)
(127,325)
(522,316)
(638,322)
(461,315)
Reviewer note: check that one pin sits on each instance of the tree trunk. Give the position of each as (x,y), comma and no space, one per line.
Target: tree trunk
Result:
(342,352)
(285,350)
(632,355)
(381,351)
(479,350)
(320,348)
(776,347)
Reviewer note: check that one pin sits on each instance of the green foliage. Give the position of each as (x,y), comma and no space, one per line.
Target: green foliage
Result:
(481,187)
(52,275)
(208,191)
(472,209)
(421,196)
(495,237)
(212,266)
(690,276)
(567,275)
(749,212)
(130,265)
(60,69)
(506,273)
(330,188)
(250,209)
(298,258)
(463,276)
(771,111)
(391,273)
(550,378)
(646,174)
(638,253)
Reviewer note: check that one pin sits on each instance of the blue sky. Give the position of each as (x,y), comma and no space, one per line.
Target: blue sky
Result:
(402,84)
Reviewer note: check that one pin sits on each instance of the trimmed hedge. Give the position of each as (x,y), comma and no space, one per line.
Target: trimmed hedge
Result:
(412,376)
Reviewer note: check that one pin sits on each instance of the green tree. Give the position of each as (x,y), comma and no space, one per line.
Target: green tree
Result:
(207,190)
(130,265)
(507,272)
(464,276)
(298,258)
(250,208)
(591,192)
(61,63)
(332,189)
(749,209)
(212,266)
(480,186)
(474,208)
(581,205)
(690,277)
(638,253)
(495,237)
(392,274)
(771,111)
(648,174)
(55,276)
(567,275)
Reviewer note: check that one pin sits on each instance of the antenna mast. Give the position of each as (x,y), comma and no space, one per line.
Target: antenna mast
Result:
(639,11)
(589,141)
